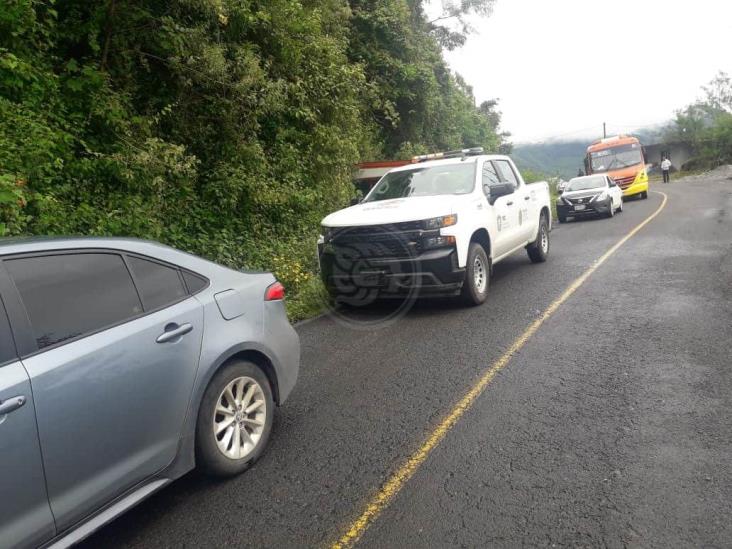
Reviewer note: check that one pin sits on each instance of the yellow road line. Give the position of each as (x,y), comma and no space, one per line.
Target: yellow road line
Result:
(400,477)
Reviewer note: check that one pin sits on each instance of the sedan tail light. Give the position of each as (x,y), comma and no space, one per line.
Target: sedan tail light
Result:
(275,292)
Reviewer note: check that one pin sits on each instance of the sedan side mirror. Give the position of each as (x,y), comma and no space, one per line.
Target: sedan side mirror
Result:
(355,200)
(499,190)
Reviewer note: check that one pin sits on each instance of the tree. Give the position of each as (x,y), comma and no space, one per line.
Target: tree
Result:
(456,14)
(225,128)
(706,125)
(719,93)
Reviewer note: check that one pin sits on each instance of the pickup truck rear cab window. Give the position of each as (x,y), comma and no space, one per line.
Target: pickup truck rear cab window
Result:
(70,295)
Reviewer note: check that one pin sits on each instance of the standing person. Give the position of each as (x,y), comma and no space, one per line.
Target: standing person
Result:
(665,168)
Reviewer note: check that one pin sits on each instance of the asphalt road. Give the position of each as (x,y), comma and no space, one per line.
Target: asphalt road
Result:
(611,427)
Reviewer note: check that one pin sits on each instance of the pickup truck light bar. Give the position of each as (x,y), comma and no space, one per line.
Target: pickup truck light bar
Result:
(448,154)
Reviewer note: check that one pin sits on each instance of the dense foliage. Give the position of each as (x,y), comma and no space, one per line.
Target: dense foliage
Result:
(227,128)
(706,125)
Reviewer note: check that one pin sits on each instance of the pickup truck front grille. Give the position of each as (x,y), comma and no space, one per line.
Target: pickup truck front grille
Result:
(377,241)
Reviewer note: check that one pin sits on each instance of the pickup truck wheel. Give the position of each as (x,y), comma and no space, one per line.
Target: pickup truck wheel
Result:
(477,275)
(539,248)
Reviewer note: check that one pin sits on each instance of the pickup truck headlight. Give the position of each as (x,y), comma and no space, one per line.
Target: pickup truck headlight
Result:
(440,222)
(327,233)
(431,242)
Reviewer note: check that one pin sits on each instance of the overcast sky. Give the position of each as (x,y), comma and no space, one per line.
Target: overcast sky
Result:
(562,67)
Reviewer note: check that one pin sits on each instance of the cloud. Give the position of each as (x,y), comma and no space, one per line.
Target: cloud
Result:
(561,68)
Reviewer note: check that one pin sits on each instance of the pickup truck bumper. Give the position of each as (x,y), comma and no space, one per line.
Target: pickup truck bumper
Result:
(433,272)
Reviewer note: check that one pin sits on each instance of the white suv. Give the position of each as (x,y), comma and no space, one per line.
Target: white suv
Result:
(435,227)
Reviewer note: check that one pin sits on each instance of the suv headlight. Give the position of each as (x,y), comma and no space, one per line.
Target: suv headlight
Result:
(440,222)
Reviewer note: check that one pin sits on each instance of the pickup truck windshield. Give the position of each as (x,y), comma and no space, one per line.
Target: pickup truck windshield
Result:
(426,181)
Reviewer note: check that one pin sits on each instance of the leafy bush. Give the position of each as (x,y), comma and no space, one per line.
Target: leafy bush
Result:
(225,128)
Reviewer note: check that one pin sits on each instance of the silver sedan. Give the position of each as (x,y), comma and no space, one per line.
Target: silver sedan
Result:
(124,364)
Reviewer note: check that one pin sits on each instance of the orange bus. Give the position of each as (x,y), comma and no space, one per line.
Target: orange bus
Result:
(622,158)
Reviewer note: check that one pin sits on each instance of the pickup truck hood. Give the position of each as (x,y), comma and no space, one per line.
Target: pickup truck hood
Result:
(383,212)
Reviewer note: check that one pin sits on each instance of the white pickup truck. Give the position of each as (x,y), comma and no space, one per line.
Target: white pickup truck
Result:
(435,227)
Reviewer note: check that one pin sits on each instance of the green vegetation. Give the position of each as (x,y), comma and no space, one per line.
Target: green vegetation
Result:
(706,126)
(226,128)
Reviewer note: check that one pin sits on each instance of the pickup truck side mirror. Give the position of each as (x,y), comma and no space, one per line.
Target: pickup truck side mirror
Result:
(499,190)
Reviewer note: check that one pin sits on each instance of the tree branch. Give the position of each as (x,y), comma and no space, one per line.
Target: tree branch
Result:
(108,34)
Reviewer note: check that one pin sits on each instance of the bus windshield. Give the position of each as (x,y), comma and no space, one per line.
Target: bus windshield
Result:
(616,158)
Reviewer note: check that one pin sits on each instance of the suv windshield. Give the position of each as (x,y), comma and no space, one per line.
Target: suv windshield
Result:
(585,183)
(616,158)
(426,181)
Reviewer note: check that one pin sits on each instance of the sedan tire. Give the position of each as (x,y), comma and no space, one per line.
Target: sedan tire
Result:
(234,420)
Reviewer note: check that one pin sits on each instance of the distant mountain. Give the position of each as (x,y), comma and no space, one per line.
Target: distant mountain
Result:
(564,158)
(555,158)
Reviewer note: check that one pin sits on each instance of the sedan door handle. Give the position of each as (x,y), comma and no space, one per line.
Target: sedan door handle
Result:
(509,203)
(11,404)
(174,331)
(527,198)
